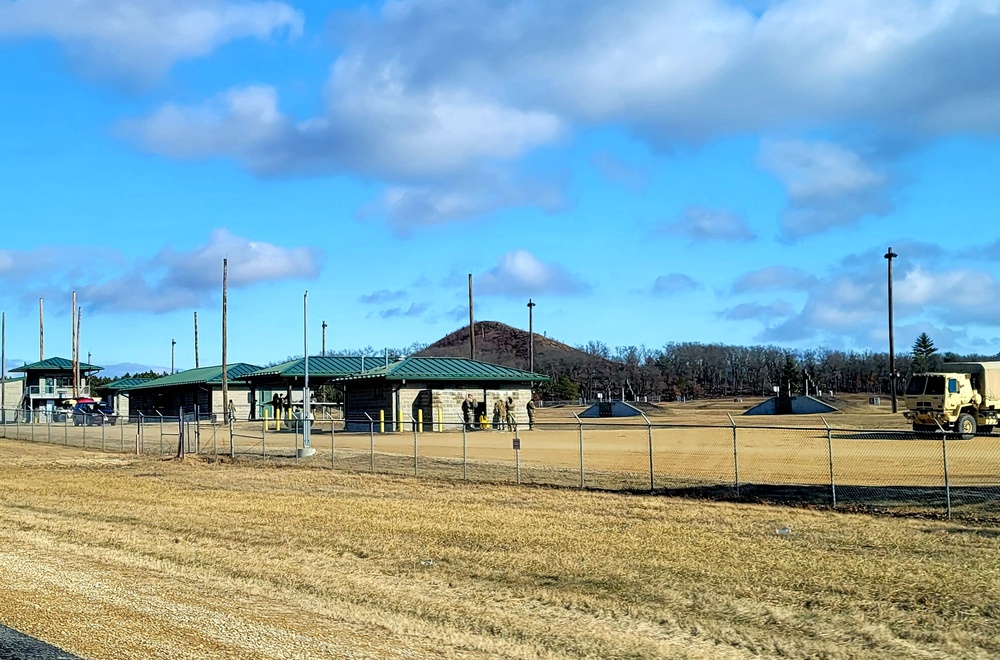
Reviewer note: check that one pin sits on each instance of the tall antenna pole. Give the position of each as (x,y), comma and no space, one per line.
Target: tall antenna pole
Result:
(531,336)
(3,365)
(76,375)
(41,330)
(225,380)
(196,365)
(889,256)
(73,344)
(472,324)
(324,338)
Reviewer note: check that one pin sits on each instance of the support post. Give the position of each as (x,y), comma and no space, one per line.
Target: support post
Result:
(736,457)
(829,451)
(580,422)
(947,481)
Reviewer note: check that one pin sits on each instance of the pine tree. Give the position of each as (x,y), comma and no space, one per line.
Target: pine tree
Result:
(923,350)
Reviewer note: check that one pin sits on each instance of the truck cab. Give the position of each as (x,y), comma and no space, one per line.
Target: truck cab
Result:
(955,401)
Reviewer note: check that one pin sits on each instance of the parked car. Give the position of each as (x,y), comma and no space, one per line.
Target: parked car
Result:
(93,413)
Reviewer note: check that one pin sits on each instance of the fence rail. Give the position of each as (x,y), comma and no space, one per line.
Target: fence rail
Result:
(822,465)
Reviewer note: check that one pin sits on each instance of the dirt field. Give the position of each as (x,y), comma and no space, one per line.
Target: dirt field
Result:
(138,557)
(876,462)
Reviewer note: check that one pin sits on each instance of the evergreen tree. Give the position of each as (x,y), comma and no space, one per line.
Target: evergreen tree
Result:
(923,350)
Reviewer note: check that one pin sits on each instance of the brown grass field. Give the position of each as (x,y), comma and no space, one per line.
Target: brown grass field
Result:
(111,556)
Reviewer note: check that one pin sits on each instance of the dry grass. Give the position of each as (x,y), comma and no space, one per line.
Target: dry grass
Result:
(111,557)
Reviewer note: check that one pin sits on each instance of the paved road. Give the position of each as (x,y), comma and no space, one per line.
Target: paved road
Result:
(15,646)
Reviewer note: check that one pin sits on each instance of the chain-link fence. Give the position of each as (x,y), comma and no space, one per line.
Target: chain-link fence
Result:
(844,468)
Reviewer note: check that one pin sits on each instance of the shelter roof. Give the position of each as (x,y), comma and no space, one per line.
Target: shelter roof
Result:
(55,364)
(445,369)
(320,366)
(200,376)
(124,384)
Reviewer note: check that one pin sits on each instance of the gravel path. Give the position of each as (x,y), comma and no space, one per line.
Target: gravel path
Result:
(16,646)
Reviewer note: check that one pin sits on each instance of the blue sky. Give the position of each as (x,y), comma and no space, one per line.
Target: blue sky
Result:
(645,171)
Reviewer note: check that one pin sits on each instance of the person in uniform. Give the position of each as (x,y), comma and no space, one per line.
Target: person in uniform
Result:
(511,420)
(530,406)
(497,416)
(468,410)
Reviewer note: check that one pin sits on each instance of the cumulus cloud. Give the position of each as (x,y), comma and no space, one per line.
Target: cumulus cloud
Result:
(674,283)
(847,305)
(520,273)
(139,41)
(108,280)
(828,185)
(426,91)
(704,224)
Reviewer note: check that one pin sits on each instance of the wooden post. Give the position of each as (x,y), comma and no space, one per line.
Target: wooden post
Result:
(196,365)
(225,382)
(472,324)
(41,330)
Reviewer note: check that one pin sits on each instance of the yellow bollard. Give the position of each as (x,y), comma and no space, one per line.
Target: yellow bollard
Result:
(420,420)
(267,419)
(381,421)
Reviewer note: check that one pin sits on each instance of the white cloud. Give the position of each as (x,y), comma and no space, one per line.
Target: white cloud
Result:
(139,41)
(828,185)
(705,224)
(520,273)
(107,280)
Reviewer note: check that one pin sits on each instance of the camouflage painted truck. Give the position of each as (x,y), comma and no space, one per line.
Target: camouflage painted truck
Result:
(965,399)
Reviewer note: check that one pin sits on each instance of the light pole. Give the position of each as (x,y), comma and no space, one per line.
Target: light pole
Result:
(307,449)
(889,256)
(173,344)
(531,336)
(324,338)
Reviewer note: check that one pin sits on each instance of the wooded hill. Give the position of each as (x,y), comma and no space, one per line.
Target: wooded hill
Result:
(684,369)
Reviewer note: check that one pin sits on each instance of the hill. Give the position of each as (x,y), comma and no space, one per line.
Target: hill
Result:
(502,344)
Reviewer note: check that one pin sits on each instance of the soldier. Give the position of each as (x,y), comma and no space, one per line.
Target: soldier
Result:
(530,406)
(502,411)
(468,410)
(497,416)
(511,421)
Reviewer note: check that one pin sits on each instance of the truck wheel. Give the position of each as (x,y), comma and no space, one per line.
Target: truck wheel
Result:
(965,427)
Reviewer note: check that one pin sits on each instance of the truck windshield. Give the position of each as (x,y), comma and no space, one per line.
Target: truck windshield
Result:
(935,385)
(916,386)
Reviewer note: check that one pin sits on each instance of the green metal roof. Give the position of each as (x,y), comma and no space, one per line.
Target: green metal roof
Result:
(320,366)
(445,369)
(200,376)
(124,384)
(55,364)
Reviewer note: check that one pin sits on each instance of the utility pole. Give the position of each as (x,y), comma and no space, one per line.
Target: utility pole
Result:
(173,343)
(196,365)
(472,324)
(324,338)
(889,256)
(225,381)
(3,366)
(41,330)
(531,336)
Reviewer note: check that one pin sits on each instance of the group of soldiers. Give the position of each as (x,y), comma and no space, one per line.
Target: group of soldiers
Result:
(280,405)
(504,418)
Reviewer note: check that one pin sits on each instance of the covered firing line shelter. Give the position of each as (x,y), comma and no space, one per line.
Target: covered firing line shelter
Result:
(288,379)
(431,390)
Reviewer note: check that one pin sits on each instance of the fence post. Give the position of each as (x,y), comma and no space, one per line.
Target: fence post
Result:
(649,431)
(829,450)
(161,434)
(736,457)
(48,427)
(947,481)
(86,423)
(121,435)
(263,436)
(580,422)
(232,439)
(138,434)
(104,427)
(465,453)
(371,440)
(414,443)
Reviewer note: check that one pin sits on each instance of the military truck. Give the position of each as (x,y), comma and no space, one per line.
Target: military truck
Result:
(965,399)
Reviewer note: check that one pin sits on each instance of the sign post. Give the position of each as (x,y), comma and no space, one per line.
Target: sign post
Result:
(517,457)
